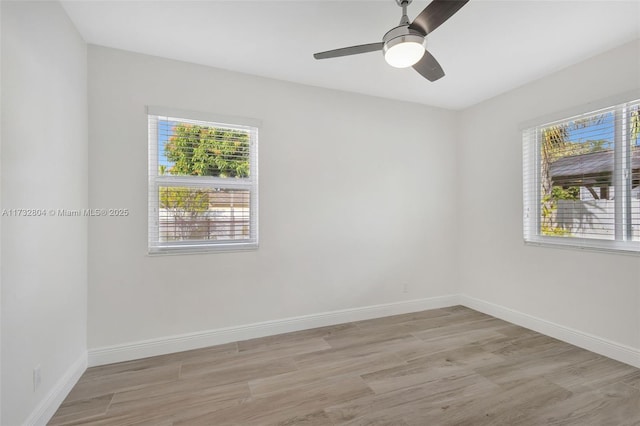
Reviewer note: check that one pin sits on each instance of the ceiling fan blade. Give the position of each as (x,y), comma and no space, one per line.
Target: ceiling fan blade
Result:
(435,14)
(429,68)
(346,51)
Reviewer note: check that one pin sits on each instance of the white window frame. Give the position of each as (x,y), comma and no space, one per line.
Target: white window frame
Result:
(156,180)
(531,179)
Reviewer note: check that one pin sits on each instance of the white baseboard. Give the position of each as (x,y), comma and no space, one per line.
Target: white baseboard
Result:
(183,342)
(136,350)
(188,341)
(613,350)
(52,401)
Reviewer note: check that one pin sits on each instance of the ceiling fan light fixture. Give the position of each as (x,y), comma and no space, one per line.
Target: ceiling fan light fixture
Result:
(403,47)
(406,44)
(403,53)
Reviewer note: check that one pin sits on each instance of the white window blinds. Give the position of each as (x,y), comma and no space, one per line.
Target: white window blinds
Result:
(203,182)
(582,180)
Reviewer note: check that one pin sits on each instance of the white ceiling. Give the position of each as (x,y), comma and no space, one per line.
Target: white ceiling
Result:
(487,48)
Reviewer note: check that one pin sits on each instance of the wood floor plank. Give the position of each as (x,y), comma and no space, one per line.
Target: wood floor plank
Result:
(404,318)
(281,407)
(593,373)
(348,366)
(81,410)
(181,395)
(450,366)
(279,354)
(486,405)
(366,339)
(317,418)
(418,400)
(460,340)
(162,360)
(91,387)
(451,328)
(137,418)
(430,368)
(633,380)
(269,342)
(380,347)
(549,363)
(614,405)
(241,371)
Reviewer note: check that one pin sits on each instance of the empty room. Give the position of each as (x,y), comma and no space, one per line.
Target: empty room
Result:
(320,212)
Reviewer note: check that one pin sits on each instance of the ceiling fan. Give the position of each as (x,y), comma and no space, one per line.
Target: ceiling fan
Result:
(405,45)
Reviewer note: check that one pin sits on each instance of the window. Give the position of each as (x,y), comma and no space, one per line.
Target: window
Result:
(582,180)
(203,182)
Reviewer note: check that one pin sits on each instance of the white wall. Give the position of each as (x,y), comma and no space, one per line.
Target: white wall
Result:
(1,134)
(360,196)
(44,165)
(356,200)
(594,293)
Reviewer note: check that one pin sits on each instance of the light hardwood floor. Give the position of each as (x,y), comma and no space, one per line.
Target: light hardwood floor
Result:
(451,366)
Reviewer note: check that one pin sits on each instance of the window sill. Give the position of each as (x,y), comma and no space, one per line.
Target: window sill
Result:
(201,249)
(602,246)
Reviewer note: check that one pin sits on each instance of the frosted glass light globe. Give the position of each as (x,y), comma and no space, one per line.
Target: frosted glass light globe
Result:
(404,54)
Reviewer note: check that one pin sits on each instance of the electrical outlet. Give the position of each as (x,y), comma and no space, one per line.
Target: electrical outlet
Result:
(405,288)
(37,377)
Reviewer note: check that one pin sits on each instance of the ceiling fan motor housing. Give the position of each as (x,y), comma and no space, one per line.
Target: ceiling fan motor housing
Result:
(402,34)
